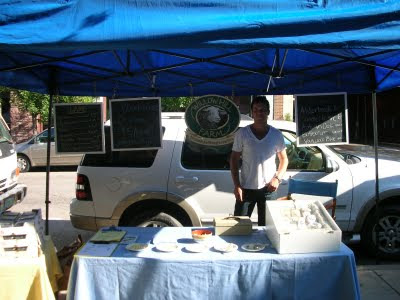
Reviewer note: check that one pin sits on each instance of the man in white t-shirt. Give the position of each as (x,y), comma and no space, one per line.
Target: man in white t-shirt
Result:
(257,145)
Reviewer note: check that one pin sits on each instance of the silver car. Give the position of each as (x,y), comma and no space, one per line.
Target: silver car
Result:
(33,153)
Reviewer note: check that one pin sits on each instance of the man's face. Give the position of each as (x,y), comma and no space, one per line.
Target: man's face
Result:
(260,112)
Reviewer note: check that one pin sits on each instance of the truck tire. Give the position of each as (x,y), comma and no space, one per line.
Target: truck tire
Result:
(23,163)
(388,234)
(154,219)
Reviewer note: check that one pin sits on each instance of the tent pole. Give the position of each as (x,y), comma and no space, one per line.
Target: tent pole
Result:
(377,212)
(48,165)
(51,89)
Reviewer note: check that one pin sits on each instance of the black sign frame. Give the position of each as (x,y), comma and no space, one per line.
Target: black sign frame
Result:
(129,109)
(77,115)
(321,119)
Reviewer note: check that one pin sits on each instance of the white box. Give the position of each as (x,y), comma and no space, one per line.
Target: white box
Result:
(287,236)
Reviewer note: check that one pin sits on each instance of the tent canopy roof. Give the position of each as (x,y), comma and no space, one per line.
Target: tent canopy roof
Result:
(181,48)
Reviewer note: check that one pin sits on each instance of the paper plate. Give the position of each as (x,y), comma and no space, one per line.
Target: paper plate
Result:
(167,247)
(136,246)
(228,247)
(196,248)
(254,247)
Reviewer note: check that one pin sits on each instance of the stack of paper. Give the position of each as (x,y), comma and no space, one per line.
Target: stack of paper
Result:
(109,236)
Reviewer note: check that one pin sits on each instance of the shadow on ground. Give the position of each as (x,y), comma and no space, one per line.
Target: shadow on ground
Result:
(55,169)
(63,233)
(362,257)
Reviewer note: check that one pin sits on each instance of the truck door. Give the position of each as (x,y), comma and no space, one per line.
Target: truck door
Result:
(201,175)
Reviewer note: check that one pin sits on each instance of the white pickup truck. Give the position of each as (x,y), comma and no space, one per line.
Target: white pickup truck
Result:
(11,192)
(188,184)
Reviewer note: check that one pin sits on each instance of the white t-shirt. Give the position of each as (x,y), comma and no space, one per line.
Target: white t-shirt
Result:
(258,156)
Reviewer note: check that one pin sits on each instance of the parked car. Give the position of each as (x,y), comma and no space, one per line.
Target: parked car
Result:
(187,184)
(33,153)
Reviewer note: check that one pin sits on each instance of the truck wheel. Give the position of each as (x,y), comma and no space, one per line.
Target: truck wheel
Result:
(388,234)
(23,163)
(154,219)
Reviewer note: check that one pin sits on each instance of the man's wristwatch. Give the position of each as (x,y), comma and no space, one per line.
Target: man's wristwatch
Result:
(279,180)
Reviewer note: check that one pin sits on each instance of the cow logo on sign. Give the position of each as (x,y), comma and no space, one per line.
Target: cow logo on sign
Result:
(212,120)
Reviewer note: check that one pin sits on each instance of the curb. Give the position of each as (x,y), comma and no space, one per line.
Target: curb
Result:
(379,268)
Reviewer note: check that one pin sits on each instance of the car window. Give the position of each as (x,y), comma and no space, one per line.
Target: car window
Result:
(132,158)
(205,157)
(308,158)
(42,138)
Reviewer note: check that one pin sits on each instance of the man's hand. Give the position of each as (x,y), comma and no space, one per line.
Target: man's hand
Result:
(273,185)
(238,193)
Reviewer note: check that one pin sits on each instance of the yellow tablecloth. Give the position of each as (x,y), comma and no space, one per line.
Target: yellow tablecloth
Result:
(54,270)
(30,278)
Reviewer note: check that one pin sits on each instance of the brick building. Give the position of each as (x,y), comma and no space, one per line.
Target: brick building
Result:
(22,125)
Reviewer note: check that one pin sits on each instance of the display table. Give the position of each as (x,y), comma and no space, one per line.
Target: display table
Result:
(30,277)
(152,274)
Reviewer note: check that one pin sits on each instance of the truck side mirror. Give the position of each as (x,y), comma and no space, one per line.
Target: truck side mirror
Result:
(331,165)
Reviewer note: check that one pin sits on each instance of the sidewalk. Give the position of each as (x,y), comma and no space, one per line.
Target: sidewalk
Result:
(379,282)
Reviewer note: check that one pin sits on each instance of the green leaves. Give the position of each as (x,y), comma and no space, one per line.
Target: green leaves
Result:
(38,104)
(175,103)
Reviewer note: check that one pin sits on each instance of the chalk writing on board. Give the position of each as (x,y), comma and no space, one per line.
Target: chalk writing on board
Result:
(79,128)
(321,119)
(135,124)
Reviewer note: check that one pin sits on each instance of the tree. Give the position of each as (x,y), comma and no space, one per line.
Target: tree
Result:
(288,117)
(175,103)
(38,104)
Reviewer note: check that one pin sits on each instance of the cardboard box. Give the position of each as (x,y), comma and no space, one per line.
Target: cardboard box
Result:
(292,237)
(232,225)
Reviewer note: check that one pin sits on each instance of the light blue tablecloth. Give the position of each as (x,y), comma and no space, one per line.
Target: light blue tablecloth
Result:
(151,274)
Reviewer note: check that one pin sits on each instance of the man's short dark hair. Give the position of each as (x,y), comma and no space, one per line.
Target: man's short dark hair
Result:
(260,99)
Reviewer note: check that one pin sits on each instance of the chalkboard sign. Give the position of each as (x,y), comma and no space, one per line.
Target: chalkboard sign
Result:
(321,119)
(79,128)
(135,124)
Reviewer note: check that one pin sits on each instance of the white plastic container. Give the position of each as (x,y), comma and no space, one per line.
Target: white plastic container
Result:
(286,230)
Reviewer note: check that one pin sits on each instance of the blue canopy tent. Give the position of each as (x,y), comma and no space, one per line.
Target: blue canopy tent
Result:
(186,48)
(177,48)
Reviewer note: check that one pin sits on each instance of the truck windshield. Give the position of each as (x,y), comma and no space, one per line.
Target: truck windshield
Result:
(4,134)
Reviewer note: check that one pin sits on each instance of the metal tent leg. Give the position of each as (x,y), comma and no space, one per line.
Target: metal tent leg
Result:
(52,89)
(377,211)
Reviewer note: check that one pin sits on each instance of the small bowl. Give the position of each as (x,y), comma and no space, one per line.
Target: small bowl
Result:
(201,235)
